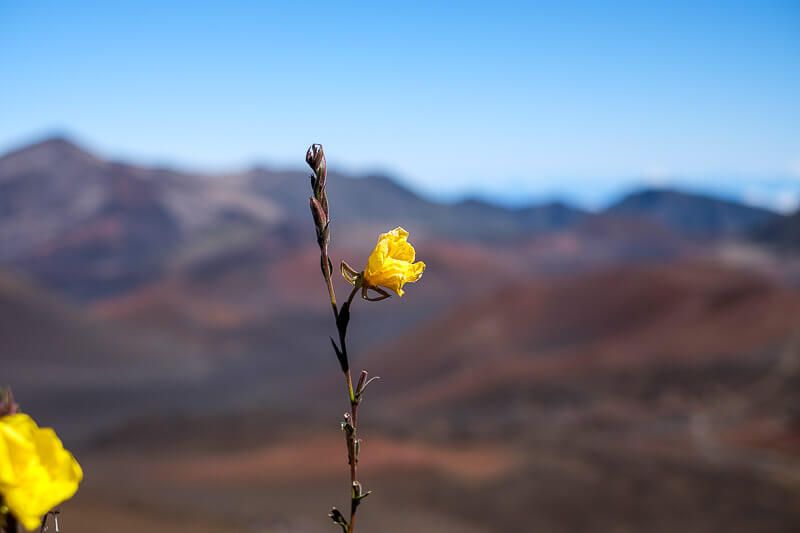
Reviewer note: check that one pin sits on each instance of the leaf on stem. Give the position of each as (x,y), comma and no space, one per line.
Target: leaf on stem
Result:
(363,383)
(340,356)
(349,273)
(343,318)
(382,294)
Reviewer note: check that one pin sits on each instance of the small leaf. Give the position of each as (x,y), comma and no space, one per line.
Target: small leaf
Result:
(358,494)
(349,273)
(340,356)
(343,318)
(382,294)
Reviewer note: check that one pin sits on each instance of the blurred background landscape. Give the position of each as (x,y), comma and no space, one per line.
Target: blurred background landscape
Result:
(607,335)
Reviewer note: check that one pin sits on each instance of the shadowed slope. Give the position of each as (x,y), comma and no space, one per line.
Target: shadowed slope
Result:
(82,372)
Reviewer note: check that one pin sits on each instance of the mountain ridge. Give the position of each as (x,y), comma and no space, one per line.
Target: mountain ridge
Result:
(94,228)
(66,144)
(694,214)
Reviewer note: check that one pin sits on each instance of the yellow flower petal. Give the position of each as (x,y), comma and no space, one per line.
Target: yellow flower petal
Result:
(36,472)
(391,264)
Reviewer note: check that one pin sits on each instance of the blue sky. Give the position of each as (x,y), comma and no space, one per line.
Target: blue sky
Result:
(512,100)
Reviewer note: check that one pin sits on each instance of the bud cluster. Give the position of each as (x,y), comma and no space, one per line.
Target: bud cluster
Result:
(315,157)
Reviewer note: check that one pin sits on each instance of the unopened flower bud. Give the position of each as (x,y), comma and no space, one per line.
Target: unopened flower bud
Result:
(315,157)
(317,211)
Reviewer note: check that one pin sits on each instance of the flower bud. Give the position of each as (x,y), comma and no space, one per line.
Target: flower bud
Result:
(317,211)
(315,157)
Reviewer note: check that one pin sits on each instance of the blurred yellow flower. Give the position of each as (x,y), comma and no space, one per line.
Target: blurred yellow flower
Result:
(391,264)
(36,472)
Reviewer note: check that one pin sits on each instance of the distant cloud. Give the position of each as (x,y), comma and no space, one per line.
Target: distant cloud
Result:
(783,200)
(657,175)
(788,201)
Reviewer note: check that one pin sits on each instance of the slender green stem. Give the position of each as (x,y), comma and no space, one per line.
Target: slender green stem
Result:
(319,210)
(352,434)
(352,445)
(328,275)
(356,287)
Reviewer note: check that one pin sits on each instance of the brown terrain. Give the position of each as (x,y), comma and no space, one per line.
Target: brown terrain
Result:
(636,369)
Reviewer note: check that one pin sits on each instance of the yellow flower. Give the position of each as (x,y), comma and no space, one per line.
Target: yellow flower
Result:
(36,472)
(391,264)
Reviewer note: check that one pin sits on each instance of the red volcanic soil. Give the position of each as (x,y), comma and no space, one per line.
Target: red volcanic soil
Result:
(620,320)
(639,399)
(256,287)
(319,456)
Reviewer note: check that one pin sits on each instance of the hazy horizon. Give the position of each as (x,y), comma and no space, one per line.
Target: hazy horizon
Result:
(786,205)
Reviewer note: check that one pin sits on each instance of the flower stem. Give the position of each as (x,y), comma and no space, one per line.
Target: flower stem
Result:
(352,451)
(351,434)
(325,261)
(11,524)
(315,157)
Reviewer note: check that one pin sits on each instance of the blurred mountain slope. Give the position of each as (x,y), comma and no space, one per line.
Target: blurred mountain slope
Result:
(614,332)
(83,372)
(693,215)
(782,233)
(568,370)
(92,228)
(541,399)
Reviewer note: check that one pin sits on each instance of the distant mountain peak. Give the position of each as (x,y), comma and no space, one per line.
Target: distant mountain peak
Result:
(53,148)
(667,194)
(691,214)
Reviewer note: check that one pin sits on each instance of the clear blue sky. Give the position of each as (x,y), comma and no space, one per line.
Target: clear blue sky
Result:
(511,100)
